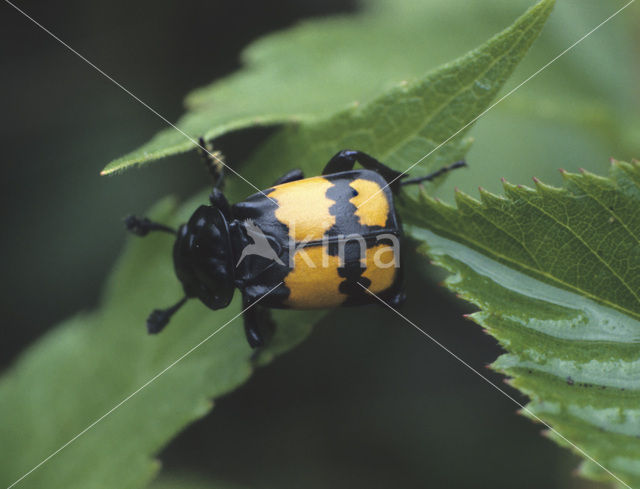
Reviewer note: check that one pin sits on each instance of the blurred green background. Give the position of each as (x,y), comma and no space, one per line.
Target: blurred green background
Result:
(366,401)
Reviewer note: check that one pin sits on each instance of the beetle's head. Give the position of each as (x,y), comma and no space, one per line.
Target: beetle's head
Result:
(203,258)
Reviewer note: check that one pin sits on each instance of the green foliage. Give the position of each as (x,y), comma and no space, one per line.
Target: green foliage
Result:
(555,274)
(104,356)
(577,113)
(413,119)
(93,361)
(290,78)
(554,271)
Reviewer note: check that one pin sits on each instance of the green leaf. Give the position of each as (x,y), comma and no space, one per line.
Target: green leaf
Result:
(556,275)
(413,119)
(92,362)
(89,364)
(586,119)
(291,77)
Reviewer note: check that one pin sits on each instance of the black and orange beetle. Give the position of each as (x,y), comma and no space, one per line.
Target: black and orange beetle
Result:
(303,243)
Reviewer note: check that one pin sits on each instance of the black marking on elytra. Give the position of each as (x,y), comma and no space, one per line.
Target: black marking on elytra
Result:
(347,222)
(352,271)
(354,253)
(251,273)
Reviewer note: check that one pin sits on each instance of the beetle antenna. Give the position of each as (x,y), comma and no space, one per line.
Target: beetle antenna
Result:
(143,226)
(159,318)
(435,174)
(214,162)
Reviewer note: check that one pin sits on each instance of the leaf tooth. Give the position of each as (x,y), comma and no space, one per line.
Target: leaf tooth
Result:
(490,199)
(586,173)
(632,169)
(568,175)
(506,185)
(546,187)
(480,318)
(434,203)
(465,200)
(515,192)
(587,176)
(547,190)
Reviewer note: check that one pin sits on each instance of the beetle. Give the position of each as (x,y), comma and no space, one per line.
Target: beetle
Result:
(303,243)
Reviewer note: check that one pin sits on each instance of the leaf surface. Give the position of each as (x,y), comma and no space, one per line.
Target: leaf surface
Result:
(91,363)
(555,273)
(295,77)
(97,361)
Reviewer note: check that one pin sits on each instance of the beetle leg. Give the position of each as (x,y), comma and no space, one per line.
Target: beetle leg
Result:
(291,176)
(143,226)
(435,174)
(214,162)
(347,158)
(219,201)
(258,324)
(159,318)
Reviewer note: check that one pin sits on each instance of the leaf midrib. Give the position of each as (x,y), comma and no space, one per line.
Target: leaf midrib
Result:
(447,101)
(586,245)
(492,253)
(607,209)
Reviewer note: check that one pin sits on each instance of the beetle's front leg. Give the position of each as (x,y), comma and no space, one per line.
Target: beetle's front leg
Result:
(218,200)
(142,226)
(258,324)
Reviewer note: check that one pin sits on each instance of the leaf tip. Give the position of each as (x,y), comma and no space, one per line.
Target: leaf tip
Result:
(546,5)
(108,170)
